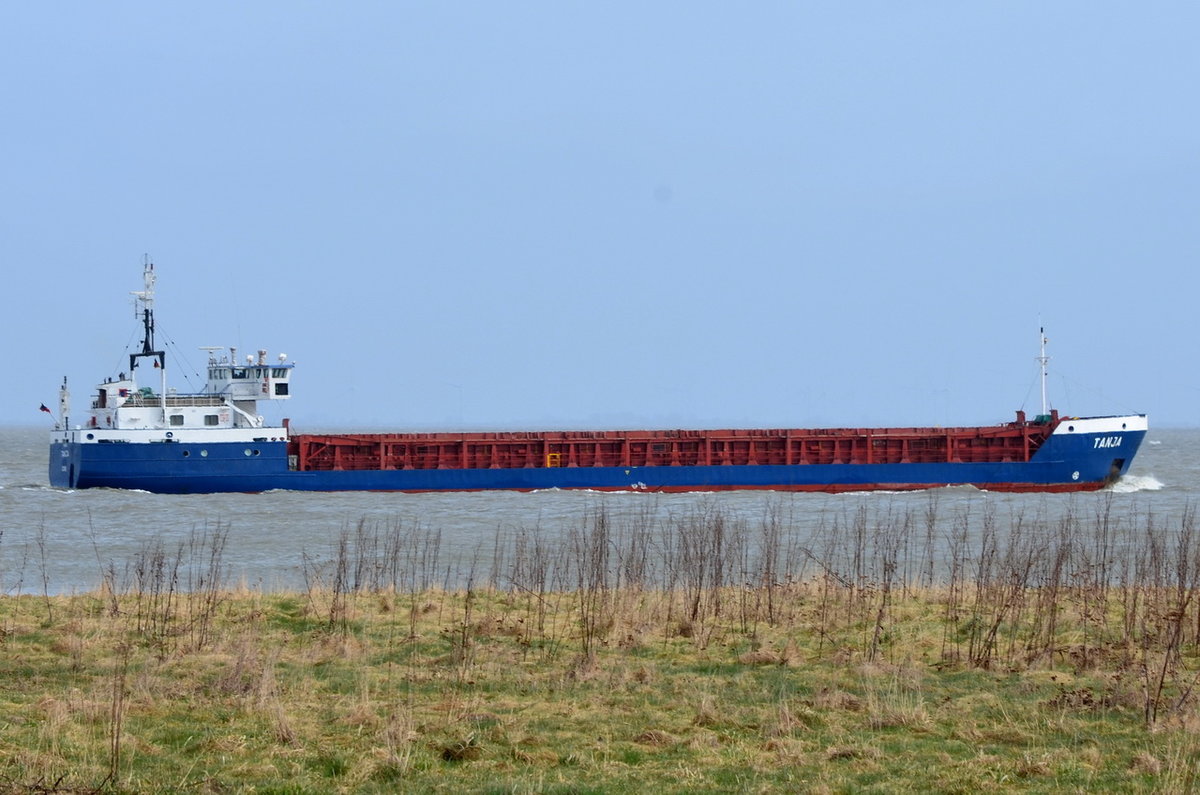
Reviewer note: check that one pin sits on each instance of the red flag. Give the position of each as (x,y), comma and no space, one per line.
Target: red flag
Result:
(46,409)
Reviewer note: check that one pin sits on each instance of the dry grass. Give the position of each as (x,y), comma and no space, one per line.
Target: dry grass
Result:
(374,708)
(1017,668)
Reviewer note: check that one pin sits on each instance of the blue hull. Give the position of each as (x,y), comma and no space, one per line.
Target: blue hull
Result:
(1063,463)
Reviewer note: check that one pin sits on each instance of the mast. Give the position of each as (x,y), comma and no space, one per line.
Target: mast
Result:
(1043,360)
(144,305)
(64,405)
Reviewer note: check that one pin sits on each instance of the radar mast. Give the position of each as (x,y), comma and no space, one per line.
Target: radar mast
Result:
(143,305)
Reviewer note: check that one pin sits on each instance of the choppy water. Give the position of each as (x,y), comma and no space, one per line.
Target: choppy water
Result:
(61,541)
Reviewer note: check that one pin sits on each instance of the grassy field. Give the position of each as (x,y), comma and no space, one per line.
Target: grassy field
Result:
(707,656)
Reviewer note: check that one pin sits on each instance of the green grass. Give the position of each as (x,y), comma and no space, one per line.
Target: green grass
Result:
(279,700)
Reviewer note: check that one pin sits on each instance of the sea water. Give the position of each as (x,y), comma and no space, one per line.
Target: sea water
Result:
(63,541)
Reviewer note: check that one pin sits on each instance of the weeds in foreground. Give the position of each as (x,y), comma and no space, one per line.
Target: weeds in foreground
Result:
(695,652)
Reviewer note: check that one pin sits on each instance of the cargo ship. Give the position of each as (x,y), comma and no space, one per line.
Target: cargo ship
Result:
(154,438)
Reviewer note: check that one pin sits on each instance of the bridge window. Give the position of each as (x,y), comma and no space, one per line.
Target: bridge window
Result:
(279,372)
(240,372)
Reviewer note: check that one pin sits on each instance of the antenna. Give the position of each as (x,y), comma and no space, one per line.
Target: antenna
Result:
(1043,360)
(211,350)
(144,300)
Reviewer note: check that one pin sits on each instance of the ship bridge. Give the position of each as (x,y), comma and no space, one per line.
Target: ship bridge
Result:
(256,379)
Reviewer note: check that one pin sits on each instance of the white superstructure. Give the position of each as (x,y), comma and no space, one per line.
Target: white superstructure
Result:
(123,411)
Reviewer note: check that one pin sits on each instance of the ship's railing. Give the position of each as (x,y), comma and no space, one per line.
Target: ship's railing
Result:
(139,400)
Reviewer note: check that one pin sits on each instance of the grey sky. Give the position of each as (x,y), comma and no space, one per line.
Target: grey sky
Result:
(612,215)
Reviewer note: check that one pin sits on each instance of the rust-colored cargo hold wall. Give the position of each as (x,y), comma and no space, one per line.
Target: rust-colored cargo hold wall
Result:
(1016,442)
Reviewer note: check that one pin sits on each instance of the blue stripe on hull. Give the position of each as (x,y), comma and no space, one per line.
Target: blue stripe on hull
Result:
(1068,461)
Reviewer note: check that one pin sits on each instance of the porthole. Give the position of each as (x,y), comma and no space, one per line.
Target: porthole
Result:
(1070,427)
(204,454)
(247,451)
(256,452)
(186,453)
(1122,426)
(91,436)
